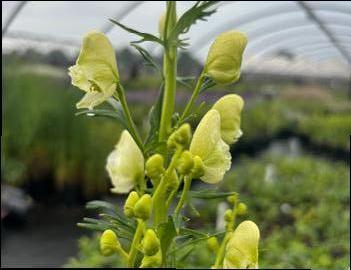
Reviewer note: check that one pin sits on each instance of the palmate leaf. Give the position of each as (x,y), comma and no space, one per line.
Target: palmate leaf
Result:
(200,11)
(210,194)
(148,59)
(166,232)
(144,36)
(151,142)
(110,219)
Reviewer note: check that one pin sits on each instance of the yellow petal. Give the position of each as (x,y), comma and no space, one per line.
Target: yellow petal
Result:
(242,247)
(94,98)
(229,108)
(224,57)
(209,146)
(95,70)
(125,164)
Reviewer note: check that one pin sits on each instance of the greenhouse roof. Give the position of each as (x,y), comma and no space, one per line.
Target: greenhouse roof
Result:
(286,37)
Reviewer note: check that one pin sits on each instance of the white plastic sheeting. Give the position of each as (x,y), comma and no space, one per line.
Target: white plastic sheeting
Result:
(283,38)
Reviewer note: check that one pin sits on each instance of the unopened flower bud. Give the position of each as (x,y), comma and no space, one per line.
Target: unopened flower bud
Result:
(172,181)
(151,243)
(185,163)
(181,137)
(154,166)
(152,261)
(143,207)
(224,57)
(109,243)
(132,199)
(232,198)
(199,167)
(212,244)
(228,215)
(241,209)
(161,25)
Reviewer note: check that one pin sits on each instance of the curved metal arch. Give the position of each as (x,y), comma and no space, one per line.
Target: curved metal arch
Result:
(269,12)
(17,9)
(274,42)
(121,14)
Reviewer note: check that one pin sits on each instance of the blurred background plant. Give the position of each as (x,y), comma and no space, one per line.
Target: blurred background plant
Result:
(291,166)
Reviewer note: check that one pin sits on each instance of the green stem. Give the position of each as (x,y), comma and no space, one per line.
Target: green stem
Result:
(229,230)
(193,98)
(187,184)
(170,74)
(132,127)
(159,197)
(136,240)
(122,253)
(173,193)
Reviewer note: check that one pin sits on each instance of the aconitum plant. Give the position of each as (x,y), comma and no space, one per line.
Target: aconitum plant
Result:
(157,171)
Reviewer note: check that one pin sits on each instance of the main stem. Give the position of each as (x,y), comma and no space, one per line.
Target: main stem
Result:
(170,74)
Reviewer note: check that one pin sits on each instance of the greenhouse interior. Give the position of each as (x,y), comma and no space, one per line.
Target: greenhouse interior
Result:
(176,134)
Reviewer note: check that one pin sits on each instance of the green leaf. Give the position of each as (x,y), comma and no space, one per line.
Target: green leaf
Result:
(148,59)
(101,205)
(154,120)
(208,83)
(200,11)
(210,194)
(166,232)
(185,81)
(144,36)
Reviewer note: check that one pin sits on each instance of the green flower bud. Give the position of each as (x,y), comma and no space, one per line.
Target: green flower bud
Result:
(241,209)
(151,243)
(181,137)
(208,144)
(242,247)
(161,25)
(185,163)
(229,108)
(212,244)
(95,71)
(152,261)
(132,199)
(224,57)
(155,166)
(109,243)
(143,207)
(199,168)
(228,215)
(232,198)
(172,181)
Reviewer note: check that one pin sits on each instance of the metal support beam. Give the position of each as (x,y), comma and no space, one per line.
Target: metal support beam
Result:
(12,16)
(324,29)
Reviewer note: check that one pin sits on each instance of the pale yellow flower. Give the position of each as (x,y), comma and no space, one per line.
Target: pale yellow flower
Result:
(242,247)
(229,108)
(224,57)
(95,71)
(125,164)
(209,146)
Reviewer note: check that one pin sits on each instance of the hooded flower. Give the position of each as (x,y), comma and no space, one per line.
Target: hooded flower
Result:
(229,108)
(95,71)
(242,247)
(209,146)
(224,57)
(125,164)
